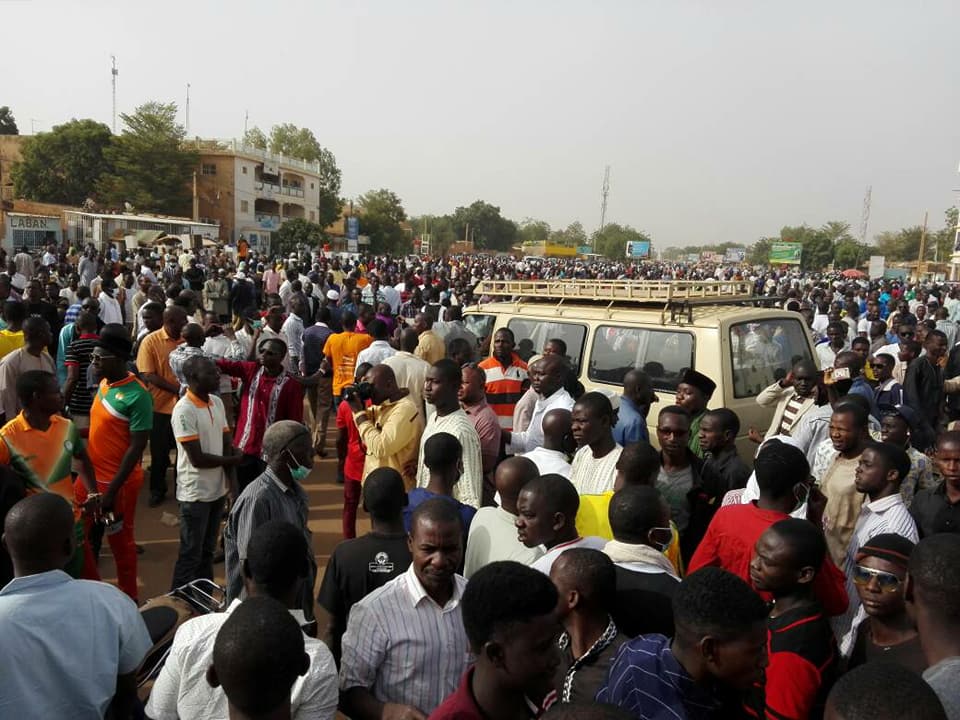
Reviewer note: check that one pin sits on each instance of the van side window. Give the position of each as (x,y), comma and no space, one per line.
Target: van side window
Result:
(662,355)
(532,335)
(763,352)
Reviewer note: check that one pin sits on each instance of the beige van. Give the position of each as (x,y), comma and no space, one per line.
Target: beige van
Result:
(663,328)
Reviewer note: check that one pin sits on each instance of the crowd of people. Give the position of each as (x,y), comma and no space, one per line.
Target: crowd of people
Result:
(533,552)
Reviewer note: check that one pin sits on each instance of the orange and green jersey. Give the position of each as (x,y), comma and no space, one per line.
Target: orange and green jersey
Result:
(42,458)
(118,409)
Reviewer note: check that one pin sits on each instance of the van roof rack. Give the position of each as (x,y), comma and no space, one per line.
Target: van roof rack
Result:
(677,298)
(645,291)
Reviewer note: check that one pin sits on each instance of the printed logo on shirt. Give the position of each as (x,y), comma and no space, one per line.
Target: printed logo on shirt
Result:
(381,564)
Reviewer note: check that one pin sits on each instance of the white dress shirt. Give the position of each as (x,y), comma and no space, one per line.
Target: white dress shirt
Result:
(549,461)
(181,691)
(411,373)
(403,647)
(532,437)
(375,353)
(594,476)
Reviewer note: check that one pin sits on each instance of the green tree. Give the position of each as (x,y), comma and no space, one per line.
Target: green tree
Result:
(573,235)
(8,126)
(850,254)
(295,142)
(533,231)
(439,228)
(901,245)
(151,167)
(63,165)
(255,137)
(295,235)
(817,245)
(381,219)
(487,227)
(612,241)
(759,252)
(946,237)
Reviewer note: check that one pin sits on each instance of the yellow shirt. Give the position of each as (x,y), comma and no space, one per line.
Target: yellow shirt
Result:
(430,347)
(593,518)
(391,434)
(10,341)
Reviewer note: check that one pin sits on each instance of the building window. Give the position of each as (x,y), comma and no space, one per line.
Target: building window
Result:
(243,169)
(208,169)
(313,216)
(311,186)
(244,206)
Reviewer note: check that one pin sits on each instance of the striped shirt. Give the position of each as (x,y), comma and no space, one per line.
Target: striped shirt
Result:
(790,412)
(266,498)
(403,647)
(469,488)
(886,515)
(504,387)
(591,475)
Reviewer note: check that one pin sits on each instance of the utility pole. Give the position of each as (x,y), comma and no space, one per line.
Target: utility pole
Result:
(865,215)
(188,110)
(923,248)
(113,78)
(246,121)
(604,192)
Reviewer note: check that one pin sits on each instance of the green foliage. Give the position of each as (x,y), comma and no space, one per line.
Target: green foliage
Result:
(63,165)
(287,139)
(903,245)
(440,228)
(381,218)
(759,252)
(533,231)
(255,138)
(612,241)
(571,236)
(151,167)
(488,229)
(8,126)
(295,235)
(850,254)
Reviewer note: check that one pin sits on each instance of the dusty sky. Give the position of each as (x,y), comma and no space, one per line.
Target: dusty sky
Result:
(721,121)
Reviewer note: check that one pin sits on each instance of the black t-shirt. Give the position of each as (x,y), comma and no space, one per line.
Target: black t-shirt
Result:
(643,603)
(356,568)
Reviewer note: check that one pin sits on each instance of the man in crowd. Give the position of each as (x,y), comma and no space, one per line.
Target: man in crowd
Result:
(80,383)
(836,343)
(440,390)
(442,457)
(802,654)
(379,350)
(121,419)
(923,385)
(493,532)
(277,494)
(883,691)
(341,350)
(205,460)
(793,396)
(390,428)
(594,466)
(548,384)
(679,466)
(153,362)
(275,567)
(319,393)
(888,391)
(268,396)
(292,331)
(473,400)
(718,651)
(32,356)
(360,565)
(505,377)
(430,346)
(546,515)
(552,456)
(48,620)
(693,393)
(510,622)
(405,647)
(933,601)
(937,509)
(586,583)
(638,396)
(410,371)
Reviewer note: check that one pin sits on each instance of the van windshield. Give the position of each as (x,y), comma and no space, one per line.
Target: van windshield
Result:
(532,335)
(764,352)
(663,355)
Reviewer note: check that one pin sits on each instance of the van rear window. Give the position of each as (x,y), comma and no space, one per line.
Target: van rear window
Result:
(764,352)
(531,335)
(663,355)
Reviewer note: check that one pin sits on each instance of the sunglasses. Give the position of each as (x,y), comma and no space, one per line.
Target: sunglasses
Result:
(887,582)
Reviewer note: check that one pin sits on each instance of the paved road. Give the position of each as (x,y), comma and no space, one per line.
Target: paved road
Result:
(160,541)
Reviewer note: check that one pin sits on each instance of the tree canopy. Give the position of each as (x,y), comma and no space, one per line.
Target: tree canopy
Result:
(487,227)
(296,234)
(63,165)
(381,216)
(151,167)
(612,241)
(8,126)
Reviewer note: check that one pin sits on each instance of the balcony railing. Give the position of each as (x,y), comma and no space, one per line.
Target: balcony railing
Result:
(293,191)
(238,146)
(267,187)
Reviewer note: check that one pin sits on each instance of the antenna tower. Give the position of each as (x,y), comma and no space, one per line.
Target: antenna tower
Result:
(865,215)
(113,80)
(604,192)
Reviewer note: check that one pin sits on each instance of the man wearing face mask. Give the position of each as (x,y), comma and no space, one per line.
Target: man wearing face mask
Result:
(277,494)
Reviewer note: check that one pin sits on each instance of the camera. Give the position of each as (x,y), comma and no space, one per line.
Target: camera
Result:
(362,391)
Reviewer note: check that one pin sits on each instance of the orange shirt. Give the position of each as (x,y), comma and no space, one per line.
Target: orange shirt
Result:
(42,458)
(118,409)
(154,357)
(342,349)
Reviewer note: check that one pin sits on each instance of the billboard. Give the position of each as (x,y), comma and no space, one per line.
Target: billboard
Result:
(638,249)
(353,227)
(735,255)
(693,257)
(785,253)
(877,266)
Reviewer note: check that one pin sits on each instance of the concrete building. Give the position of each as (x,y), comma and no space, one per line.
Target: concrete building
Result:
(250,192)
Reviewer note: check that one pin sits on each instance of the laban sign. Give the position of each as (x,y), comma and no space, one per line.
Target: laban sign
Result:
(33,222)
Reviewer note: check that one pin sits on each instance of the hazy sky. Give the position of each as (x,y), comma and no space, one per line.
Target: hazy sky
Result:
(721,121)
